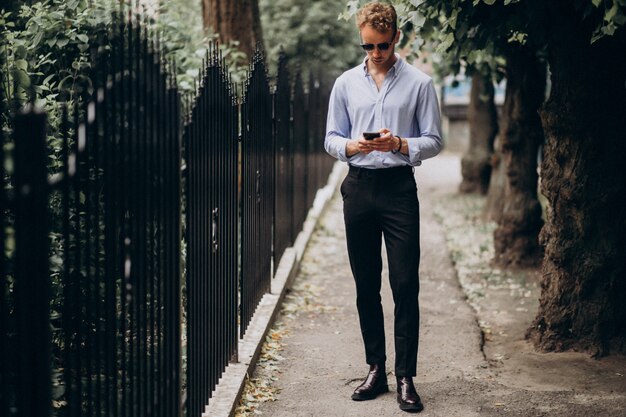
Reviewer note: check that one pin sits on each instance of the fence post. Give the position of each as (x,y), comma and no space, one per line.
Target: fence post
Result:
(32,280)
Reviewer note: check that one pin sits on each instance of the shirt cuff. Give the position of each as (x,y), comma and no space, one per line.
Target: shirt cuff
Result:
(338,144)
(341,153)
(414,151)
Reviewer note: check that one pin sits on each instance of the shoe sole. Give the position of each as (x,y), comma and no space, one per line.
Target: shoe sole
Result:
(373,395)
(411,408)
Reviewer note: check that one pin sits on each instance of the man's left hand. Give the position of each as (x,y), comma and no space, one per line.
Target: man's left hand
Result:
(387,142)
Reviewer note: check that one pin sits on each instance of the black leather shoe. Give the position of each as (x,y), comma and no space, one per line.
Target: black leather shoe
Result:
(407,396)
(374,384)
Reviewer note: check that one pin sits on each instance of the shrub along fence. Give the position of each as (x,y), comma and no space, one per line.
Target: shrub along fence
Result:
(136,253)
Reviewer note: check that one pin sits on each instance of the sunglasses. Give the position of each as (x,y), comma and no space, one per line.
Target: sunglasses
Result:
(381,46)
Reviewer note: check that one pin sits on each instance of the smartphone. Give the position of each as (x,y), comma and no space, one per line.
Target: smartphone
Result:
(370,135)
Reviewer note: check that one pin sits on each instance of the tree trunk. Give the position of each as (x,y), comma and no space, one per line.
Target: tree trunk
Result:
(483,123)
(584,272)
(516,238)
(237,20)
(495,195)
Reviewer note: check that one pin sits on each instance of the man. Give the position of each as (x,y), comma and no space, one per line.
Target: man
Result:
(384,94)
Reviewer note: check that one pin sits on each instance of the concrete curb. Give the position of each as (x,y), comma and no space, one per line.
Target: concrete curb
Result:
(226,395)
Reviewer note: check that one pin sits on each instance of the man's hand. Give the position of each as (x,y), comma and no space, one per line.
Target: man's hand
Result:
(353,146)
(387,142)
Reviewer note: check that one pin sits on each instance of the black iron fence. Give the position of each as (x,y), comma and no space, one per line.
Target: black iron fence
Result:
(302,165)
(284,228)
(100,311)
(257,202)
(211,153)
(110,250)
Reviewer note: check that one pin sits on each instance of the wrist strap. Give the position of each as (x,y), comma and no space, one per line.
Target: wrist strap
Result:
(400,144)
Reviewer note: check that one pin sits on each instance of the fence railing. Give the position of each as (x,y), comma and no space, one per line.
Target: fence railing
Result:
(257,202)
(284,228)
(302,165)
(101,312)
(211,154)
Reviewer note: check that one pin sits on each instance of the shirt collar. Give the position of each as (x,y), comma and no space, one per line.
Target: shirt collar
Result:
(394,70)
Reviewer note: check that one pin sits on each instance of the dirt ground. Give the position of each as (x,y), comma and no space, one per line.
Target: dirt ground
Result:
(473,358)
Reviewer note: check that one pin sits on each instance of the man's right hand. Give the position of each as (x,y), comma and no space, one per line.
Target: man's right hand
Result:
(354,146)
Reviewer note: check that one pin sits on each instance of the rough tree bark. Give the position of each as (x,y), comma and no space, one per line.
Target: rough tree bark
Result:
(237,20)
(483,124)
(495,195)
(516,238)
(584,272)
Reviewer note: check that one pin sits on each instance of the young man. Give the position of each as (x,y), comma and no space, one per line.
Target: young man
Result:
(386,95)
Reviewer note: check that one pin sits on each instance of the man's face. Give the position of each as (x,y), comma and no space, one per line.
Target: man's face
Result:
(371,37)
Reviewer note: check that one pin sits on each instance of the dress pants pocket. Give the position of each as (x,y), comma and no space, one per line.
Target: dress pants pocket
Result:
(345,187)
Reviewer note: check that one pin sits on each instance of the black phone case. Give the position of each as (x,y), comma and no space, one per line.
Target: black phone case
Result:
(371,135)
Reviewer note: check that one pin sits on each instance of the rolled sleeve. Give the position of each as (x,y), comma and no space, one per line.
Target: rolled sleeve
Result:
(429,143)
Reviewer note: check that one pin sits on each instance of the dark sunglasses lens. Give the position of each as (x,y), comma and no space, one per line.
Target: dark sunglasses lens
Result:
(371,46)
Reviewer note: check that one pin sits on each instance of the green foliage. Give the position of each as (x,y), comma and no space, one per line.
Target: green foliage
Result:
(310,35)
(185,42)
(613,17)
(477,33)
(47,47)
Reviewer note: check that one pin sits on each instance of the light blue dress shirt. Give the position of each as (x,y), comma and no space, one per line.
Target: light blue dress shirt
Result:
(406,104)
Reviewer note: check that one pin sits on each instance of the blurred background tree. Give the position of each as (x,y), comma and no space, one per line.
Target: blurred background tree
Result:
(310,34)
(234,20)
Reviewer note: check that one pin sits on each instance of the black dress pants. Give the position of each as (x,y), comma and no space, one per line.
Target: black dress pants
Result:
(383,203)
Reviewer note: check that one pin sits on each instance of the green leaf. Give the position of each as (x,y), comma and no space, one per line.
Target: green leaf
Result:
(21,52)
(22,78)
(48,78)
(489,2)
(21,64)
(596,2)
(37,39)
(351,8)
(446,43)
(65,80)
(62,42)
(83,38)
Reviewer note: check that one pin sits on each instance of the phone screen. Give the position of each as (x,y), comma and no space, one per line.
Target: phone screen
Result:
(370,135)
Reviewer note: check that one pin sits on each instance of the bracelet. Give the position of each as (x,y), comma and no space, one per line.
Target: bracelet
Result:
(399,146)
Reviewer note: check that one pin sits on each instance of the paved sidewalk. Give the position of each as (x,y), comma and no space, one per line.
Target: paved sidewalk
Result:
(323,351)
(324,358)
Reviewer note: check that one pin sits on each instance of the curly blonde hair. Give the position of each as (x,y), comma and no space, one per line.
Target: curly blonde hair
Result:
(381,16)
